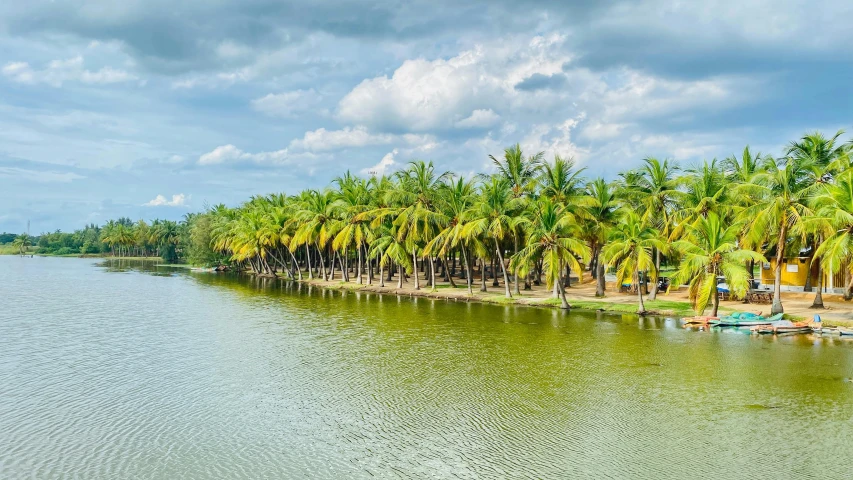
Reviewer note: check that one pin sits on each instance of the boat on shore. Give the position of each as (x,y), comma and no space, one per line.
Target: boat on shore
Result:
(785,326)
(844,331)
(745,319)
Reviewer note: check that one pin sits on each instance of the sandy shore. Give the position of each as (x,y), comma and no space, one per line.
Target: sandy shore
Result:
(582,296)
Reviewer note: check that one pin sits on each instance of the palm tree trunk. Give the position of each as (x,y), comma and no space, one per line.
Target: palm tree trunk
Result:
(515,273)
(564,304)
(503,269)
(369,267)
(295,263)
(447,272)
(431,272)
(358,267)
(400,277)
(642,310)
(308,259)
(321,263)
(716,298)
(415,272)
(777,280)
(599,275)
(381,270)
(483,275)
(818,298)
(653,295)
(468,279)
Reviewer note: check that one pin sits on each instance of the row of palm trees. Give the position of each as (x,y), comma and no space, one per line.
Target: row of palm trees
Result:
(159,238)
(534,218)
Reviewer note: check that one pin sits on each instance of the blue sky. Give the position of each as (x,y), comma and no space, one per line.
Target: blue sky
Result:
(152,108)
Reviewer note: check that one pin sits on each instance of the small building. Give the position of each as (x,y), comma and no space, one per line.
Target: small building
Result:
(795,272)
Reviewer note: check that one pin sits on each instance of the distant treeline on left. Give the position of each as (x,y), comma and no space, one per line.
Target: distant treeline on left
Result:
(174,241)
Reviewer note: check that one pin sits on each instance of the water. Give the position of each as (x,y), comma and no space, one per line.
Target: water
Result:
(113,372)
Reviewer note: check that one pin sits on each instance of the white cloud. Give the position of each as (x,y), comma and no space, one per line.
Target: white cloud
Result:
(423,95)
(384,166)
(178,200)
(349,137)
(555,140)
(480,118)
(38,176)
(602,131)
(231,154)
(58,72)
(287,104)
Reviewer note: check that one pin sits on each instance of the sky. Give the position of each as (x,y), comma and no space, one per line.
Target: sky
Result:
(155,108)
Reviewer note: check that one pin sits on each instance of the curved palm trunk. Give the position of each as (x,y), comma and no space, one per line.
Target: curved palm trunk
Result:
(321,262)
(503,269)
(448,273)
(777,280)
(295,263)
(818,298)
(564,304)
(716,297)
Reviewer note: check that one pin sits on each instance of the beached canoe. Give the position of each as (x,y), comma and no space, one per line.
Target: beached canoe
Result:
(699,319)
(750,321)
(845,331)
(780,329)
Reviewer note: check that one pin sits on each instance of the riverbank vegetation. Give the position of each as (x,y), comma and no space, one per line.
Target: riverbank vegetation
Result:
(533,221)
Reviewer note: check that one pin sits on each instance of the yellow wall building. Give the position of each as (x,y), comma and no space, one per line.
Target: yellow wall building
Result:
(795,271)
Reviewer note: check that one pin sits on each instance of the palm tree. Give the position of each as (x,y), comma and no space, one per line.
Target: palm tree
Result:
(835,209)
(708,250)
(784,190)
(601,206)
(630,246)
(657,190)
(521,174)
(454,200)
(22,242)
(551,239)
(494,216)
(354,231)
(315,217)
(827,157)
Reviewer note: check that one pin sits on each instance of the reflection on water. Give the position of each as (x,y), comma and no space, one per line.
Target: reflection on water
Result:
(120,370)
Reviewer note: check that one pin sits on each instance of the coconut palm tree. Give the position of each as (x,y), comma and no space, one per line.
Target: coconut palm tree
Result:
(826,157)
(454,200)
(709,249)
(521,174)
(552,238)
(835,208)
(630,245)
(22,242)
(493,216)
(783,189)
(658,194)
(602,213)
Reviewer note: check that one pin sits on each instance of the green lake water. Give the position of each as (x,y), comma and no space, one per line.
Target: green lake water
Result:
(113,371)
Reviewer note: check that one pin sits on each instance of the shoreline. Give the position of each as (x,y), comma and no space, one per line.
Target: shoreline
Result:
(664,306)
